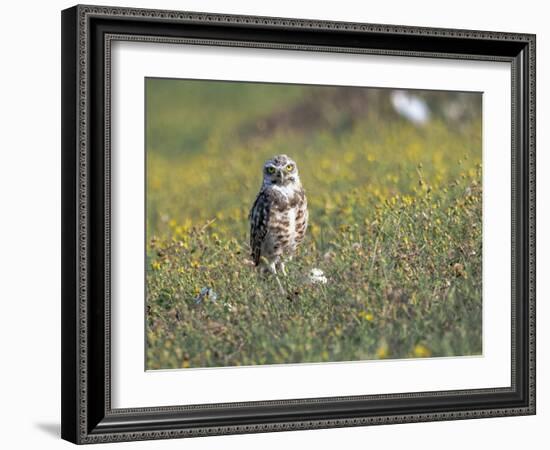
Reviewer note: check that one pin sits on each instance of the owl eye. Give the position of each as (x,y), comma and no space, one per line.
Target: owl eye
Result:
(270,169)
(289,168)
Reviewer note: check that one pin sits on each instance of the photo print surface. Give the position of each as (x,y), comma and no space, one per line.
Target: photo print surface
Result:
(292,224)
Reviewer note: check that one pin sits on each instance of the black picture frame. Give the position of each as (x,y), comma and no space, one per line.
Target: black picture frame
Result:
(87,32)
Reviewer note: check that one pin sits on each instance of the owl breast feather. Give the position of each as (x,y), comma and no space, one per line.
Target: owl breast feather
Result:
(288,222)
(278,223)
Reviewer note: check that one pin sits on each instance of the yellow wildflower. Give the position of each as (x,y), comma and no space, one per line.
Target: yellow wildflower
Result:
(382,351)
(366,316)
(421,351)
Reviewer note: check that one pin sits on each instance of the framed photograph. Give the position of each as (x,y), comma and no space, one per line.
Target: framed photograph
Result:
(281,224)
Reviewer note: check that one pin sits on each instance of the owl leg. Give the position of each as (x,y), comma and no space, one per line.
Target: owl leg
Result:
(272,267)
(282,268)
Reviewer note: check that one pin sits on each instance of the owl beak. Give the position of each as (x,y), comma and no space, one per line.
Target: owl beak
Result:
(281,176)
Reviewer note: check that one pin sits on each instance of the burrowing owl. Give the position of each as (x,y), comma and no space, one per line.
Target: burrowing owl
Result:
(278,218)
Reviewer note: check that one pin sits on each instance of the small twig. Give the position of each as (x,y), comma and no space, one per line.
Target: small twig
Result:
(207,224)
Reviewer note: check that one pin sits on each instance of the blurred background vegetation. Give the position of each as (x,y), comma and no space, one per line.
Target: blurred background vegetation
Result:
(393,179)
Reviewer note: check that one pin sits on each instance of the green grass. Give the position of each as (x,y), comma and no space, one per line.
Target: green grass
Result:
(395,225)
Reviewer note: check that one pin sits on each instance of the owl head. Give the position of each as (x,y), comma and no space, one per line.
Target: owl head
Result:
(280,171)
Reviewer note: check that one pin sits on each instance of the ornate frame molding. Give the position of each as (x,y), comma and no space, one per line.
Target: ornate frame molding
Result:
(80,418)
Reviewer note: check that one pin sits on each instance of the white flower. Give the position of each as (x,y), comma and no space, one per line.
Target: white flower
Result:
(316,276)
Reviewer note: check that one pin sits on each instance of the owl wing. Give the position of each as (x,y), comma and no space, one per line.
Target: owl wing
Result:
(259,219)
(301,217)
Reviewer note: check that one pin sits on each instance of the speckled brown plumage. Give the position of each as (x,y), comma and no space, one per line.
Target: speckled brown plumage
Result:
(279,216)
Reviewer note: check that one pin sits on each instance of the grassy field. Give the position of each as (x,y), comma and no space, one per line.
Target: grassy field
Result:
(395,225)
